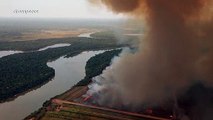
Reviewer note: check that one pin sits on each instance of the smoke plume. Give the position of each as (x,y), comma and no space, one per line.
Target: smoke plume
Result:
(176,53)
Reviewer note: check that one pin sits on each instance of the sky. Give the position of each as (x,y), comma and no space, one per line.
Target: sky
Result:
(55,9)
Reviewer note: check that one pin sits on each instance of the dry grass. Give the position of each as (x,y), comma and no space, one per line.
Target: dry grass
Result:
(47,34)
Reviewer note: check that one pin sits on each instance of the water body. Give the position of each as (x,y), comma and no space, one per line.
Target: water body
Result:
(55,46)
(68,71)
(11,52)
(88,35)
(6,53)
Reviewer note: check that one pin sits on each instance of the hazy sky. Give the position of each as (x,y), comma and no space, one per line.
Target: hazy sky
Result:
(54,8)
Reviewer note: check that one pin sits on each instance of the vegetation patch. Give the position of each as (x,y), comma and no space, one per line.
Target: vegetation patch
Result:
(97,64)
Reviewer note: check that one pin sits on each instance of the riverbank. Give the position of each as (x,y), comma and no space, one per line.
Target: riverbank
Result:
(25,92)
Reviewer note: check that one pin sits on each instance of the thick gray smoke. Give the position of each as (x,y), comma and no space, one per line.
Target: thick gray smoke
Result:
(176,53)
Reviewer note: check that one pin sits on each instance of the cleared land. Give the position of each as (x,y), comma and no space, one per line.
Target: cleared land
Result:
(65,110)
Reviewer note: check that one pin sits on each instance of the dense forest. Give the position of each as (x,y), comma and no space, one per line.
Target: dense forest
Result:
(97,64)
(120,36)
(21,72)
(104,34)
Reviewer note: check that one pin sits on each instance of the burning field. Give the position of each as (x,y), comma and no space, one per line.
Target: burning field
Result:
(172,68)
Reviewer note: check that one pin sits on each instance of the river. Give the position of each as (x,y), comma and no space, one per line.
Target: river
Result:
(9,52)
(68,71)
(55,46)
(88,35)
